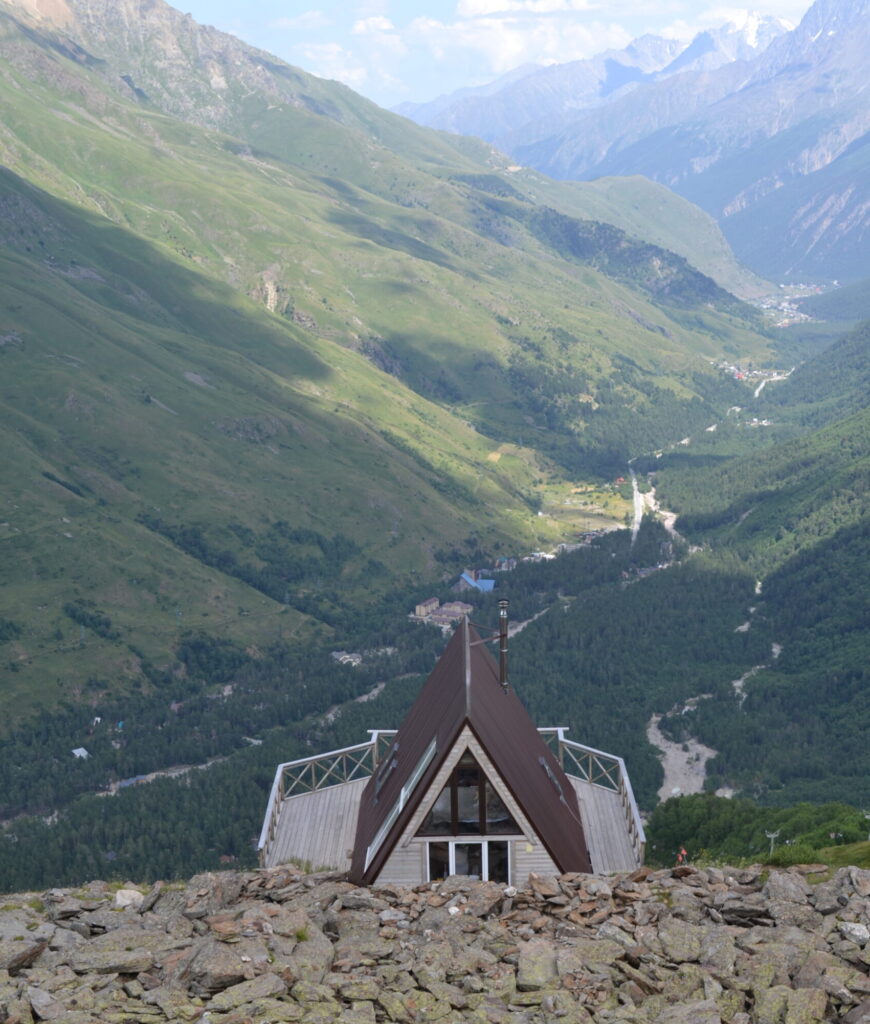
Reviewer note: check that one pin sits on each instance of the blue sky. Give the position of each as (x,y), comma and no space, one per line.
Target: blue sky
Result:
(396,50)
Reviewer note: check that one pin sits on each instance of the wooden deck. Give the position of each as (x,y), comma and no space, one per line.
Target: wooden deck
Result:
(318,828)
(606,828)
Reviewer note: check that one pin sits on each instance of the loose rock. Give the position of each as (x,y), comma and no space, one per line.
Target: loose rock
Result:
(682,946)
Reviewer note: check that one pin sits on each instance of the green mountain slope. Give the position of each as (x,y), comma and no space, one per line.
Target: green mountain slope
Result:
(828,388)
(208,78)
(251,379)
(794,516)
(645,209)
(120,419)
(849,303)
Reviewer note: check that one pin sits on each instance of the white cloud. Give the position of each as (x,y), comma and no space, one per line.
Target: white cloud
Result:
(739,16)
(679,30)
(714,17)
(507,42)
(306,22)
(482,8)
(381,35)
(377,23)
(372,8)
(330,60)
(789,10)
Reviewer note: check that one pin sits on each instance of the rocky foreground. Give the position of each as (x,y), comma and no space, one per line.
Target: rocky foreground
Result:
(679,946)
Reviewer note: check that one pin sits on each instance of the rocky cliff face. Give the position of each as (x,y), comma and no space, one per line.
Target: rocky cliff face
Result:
(678,947)
(152,53)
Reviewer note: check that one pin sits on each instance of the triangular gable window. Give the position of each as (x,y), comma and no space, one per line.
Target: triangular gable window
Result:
(469,805)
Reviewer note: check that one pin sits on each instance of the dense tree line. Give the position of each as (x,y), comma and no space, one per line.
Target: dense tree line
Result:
(297,567)
(735,831)
(814,698)
(630,414)
(825,389)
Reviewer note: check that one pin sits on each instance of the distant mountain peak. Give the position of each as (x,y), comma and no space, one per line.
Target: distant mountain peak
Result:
(753,26)
(542,100)
(743,37)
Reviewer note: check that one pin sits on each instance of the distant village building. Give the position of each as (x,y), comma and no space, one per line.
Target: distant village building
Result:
(80,754)
(505,564)
(467,785)
(426,607)
(471,579)
(444,615)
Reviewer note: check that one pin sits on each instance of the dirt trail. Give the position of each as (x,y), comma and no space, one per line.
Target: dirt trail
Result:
(518,627)
(685,770)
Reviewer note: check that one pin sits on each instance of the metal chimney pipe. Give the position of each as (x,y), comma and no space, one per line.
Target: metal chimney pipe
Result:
(502,643)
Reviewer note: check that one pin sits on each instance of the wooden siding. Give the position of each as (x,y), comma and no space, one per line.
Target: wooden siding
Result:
(605,827)
(405,865)
(318,827)
(525,858)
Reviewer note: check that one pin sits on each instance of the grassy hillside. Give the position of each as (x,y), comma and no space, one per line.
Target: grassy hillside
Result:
(645,209)
(738,831)
(208,78)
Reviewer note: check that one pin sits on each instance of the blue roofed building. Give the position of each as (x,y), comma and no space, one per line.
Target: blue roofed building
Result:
(472,580)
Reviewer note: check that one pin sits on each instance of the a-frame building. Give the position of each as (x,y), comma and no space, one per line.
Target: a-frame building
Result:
(467,785)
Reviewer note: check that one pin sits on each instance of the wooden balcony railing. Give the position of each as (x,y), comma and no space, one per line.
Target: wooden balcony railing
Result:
(599,769)
(308,774)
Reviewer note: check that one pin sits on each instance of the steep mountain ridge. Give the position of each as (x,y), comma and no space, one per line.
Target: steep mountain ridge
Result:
(209,78)
(732,137)
(772,143)
(547,96)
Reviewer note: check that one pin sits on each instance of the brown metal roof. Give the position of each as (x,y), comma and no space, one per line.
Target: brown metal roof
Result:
(463,688)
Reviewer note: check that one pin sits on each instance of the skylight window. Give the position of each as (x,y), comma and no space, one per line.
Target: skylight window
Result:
(396,809)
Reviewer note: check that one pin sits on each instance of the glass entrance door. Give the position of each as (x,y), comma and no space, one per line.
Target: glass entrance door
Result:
(468,859)
(486,859)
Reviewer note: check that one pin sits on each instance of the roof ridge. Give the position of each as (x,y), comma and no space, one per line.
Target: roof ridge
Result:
(466,654)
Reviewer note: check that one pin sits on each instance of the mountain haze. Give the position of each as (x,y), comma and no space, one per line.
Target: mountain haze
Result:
(539,102)
(771,142)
